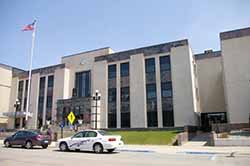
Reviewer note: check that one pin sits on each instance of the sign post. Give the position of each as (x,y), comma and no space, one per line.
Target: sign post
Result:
(62,126)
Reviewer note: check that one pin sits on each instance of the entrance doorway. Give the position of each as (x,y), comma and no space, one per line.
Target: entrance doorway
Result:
(207,119)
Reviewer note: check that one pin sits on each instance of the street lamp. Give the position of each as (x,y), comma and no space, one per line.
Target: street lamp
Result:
(16,105)
(96,97)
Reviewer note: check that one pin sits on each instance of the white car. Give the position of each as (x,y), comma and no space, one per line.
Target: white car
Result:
(90,140)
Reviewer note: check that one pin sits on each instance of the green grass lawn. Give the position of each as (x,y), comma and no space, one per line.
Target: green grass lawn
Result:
(146,137)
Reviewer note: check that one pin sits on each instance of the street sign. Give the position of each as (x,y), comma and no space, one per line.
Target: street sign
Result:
(71,117)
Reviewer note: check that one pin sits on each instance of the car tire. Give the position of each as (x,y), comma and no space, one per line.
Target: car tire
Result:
(63,146)
(28,145)
(44,146)
(7,144)
(110,150)
(98,148)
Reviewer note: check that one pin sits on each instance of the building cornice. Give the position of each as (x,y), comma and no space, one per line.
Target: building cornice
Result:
(235,33)
(146,51)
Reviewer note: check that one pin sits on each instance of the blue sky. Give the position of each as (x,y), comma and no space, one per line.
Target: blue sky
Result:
(66,27)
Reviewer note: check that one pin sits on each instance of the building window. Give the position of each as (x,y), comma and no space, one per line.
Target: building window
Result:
(166,92)
(25,94)
(124,95)
(49,101)
(20,94)
(112,122)
(124,69)
(151,93)
(166,89)
(82,84)
(125,107)
(165,63)
(150,65)
(112,71)
(40,102)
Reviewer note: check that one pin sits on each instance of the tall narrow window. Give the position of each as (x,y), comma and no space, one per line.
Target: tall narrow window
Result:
(40,102)
(49,101)
(151,93)
(25,95)
(125,102)
(82,84)
(20,94)
(166,92)
(112,122)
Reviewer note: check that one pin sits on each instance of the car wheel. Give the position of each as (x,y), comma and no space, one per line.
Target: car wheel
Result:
(63,146)
(44,146)
(110,150)
(28,145)
(98,148)
(7,144)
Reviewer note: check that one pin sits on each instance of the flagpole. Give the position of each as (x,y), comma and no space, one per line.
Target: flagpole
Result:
(30,69)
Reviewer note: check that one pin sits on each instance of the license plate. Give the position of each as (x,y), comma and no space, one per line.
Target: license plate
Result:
(46,141)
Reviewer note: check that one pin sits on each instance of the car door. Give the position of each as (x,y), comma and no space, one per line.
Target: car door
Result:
(19,138)
(90,139)
(76,140)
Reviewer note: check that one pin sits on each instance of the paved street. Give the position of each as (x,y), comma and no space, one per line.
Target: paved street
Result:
(52,157)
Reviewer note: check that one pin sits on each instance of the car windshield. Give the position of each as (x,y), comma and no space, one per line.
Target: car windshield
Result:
(102,132)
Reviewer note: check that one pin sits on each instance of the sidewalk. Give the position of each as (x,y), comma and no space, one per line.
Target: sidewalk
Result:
(188,149)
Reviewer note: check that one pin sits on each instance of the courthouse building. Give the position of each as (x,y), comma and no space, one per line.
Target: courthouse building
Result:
(164,85)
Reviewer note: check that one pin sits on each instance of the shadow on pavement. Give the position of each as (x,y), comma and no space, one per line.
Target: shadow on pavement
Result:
(21,148)
(89,152)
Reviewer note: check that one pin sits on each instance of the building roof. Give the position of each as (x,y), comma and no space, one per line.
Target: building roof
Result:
(43,70)
(235,33)
(10,67)
(149,50)
(207,54)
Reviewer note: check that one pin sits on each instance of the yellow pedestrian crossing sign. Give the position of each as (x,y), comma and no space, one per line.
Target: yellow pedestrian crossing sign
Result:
(71,117)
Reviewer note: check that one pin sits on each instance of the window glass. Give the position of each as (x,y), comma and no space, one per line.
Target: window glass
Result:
(20,134)
(150,65)
(166,89)
(102,132)
(82,84)
(79,135)
(151,91)
(165,63)
(112,71)
(124,69)
(91,134)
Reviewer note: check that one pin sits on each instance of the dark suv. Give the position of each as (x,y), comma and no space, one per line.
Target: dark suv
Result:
(27,139)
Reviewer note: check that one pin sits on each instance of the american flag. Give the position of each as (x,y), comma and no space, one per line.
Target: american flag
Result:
(29,27)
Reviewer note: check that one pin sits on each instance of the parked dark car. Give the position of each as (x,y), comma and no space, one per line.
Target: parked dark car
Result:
(27,139)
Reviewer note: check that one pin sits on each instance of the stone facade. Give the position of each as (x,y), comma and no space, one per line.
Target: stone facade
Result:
(210,82)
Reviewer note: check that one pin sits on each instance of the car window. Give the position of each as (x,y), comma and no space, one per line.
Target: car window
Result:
(91,134)
(31,133)
(102,132)
(79,135)
(20,134)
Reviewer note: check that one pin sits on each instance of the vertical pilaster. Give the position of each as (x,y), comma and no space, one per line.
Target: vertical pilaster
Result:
(137,84)
(158,91)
